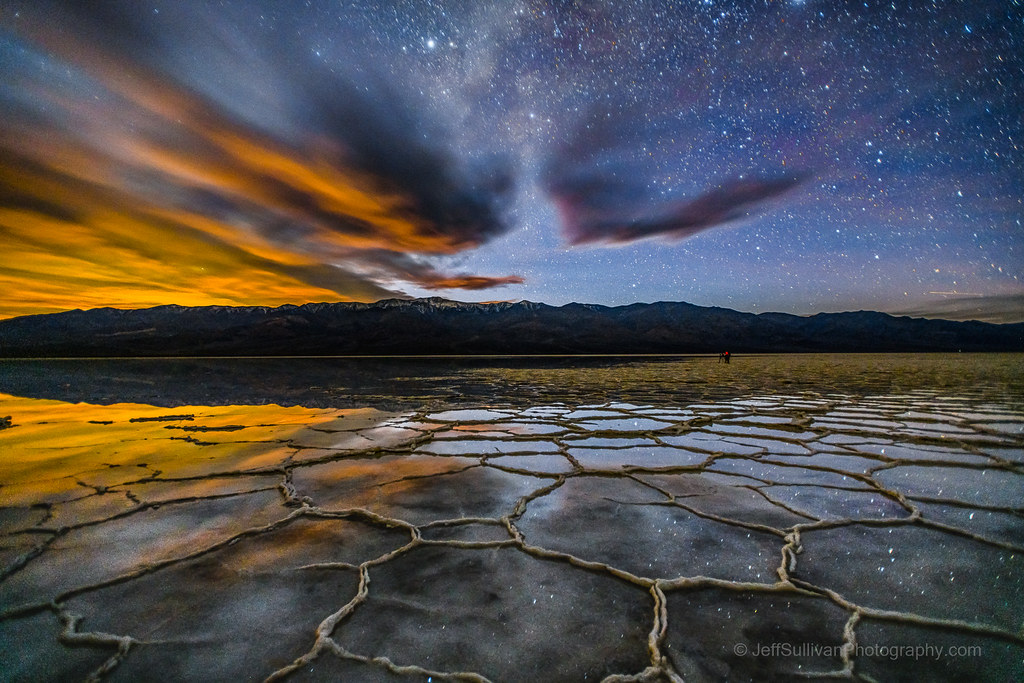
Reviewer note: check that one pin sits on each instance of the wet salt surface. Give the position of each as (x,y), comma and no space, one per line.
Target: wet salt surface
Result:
(745,537)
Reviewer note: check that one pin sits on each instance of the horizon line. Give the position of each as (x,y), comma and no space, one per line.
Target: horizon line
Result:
(918,315)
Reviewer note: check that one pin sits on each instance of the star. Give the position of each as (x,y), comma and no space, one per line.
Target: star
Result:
(602,152)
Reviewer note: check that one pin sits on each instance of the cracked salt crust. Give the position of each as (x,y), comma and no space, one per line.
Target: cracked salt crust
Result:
(291,543)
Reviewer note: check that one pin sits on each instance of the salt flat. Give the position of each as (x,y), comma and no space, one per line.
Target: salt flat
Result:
(568,532)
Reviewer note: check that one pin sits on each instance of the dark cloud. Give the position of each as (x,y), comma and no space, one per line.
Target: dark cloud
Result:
(601,182)
(588,218)
(473,282)
(235,138)
(460,203)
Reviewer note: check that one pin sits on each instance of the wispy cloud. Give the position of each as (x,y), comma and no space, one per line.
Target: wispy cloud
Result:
(602,185)
(994,308)
(587,216)
(125,181)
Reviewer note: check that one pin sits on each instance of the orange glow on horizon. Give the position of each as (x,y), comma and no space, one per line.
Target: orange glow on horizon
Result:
(151,195)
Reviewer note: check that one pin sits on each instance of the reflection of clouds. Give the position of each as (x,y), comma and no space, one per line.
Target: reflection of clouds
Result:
(122,184)
(62,444)
(193,551)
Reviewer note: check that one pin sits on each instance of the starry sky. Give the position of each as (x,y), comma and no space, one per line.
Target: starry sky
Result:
(765,155)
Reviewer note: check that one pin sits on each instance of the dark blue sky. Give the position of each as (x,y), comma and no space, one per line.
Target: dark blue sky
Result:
(796,156)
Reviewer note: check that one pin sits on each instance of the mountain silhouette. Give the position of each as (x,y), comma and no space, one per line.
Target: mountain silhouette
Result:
(439,326)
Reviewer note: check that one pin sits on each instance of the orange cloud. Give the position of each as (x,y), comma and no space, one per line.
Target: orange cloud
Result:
(472,282)
(131,190)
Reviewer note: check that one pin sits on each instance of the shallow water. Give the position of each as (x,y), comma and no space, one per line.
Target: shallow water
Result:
(499,519)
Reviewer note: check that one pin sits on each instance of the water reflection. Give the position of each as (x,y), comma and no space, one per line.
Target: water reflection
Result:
(444,383)
(404,514)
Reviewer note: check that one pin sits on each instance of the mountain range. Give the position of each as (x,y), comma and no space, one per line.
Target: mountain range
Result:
(440,326)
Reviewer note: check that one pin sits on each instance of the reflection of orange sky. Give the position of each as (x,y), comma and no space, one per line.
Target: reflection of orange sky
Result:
(55,445)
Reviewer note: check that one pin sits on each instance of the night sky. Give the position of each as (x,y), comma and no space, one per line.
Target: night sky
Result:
(796,156)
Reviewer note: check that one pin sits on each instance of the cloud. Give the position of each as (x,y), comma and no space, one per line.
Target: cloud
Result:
(601,186)
(375,264)
(587,219)
(996,308)
(303,182)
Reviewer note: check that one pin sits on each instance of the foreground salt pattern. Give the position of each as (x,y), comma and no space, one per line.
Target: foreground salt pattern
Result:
(764,537)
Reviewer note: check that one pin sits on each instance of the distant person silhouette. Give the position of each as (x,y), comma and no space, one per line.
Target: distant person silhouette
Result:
(723,357)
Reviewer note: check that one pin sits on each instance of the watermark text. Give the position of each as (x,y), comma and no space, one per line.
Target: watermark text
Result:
(873,651)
